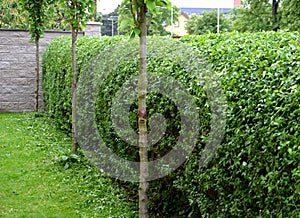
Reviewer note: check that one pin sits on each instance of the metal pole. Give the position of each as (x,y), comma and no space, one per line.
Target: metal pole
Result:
(112,27)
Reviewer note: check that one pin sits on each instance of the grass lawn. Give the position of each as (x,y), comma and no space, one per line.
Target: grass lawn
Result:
(40,178)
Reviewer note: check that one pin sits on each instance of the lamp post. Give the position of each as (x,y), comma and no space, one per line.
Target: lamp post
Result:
(113,19)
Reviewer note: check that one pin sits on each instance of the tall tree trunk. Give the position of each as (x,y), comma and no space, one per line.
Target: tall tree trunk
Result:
(142,116)
(275,4)
(95,12)
(74,82)
(37,74)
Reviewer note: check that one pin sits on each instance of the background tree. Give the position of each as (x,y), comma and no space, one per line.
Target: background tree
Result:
(253,16)
(12,15)
(77,13)
(161,19)
(37,16)
(291,14)
(58,19)
(207,23)
(275,15)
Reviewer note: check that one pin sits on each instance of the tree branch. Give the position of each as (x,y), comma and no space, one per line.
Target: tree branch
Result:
(138,18)
(149,21)
(133,14)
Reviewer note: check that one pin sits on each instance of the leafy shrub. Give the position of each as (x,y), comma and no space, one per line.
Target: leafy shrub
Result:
(256,171)
(57,74)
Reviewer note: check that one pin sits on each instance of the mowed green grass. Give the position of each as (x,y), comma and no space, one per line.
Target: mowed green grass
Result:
(40,178)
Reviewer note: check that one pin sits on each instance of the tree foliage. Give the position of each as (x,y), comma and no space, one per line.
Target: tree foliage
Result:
(253,16)
(207,23)
(11,15)
(265,15)
(77,13)
(291,14)
(38,13)
(161,19)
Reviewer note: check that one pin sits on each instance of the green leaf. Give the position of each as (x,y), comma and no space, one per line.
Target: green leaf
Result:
(151,5)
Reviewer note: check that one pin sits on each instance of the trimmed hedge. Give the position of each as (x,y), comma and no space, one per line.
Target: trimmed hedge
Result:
(256,171)
(57,74)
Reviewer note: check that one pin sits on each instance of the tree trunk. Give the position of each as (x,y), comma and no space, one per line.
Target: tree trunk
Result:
(142,115)
(275,4)
(74,128)
(37,74)
(95,12)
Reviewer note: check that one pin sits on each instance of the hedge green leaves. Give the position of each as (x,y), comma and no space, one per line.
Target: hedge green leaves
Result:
(256,171)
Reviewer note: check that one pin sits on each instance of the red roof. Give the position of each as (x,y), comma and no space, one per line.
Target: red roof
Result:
(237,3)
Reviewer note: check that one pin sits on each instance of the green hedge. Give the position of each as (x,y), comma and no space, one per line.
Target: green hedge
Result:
(57,73)
(256,171)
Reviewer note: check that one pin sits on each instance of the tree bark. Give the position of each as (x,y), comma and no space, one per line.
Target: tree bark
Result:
(37,74)
(142,115)
(275,4)
(74,83)
(95,12)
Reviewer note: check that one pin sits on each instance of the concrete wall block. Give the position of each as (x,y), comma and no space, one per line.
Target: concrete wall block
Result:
(20,82)
(24,65)
(17,67)
(26,57)
(8,57)
(14,41)
(9,106)
(22,49)
(17,98)
(6,90)
(6,40)
(15,74)
(26,106)
(14,33)
(4,65)
(4,48)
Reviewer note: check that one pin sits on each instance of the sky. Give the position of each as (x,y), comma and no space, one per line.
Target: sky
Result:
(107,6)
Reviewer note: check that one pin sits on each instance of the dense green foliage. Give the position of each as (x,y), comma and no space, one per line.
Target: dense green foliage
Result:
(291,14)
(157,14)
(77,13)
(13,15)
(207,23)
(256,171)
(37,16)
(264,15)
(57,73)
(254,16)
(162,19)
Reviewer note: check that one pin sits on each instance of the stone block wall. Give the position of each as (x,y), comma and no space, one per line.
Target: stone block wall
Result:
(17,68)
